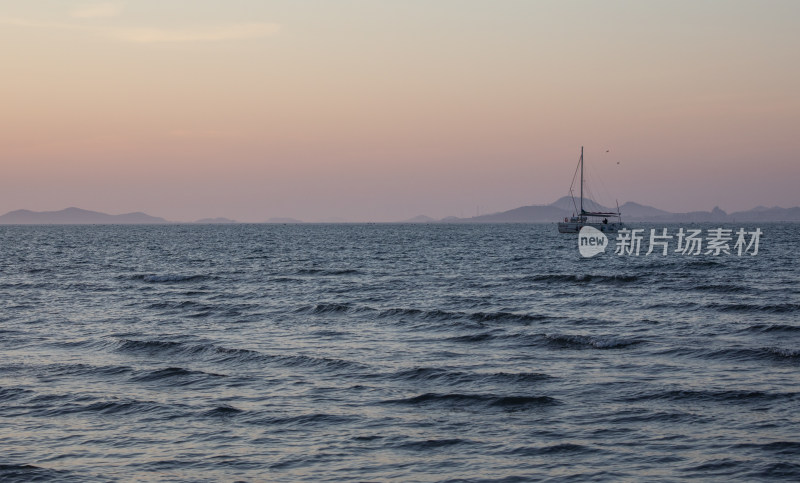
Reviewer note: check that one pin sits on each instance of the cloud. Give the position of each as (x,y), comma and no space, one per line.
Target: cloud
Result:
(144,35)
(97,10)
(203,134)
(207,34)
(20,22)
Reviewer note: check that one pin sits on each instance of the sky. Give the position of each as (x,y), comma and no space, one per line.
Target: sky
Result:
(384,110)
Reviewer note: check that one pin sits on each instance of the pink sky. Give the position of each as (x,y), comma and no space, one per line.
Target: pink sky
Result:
(379,111)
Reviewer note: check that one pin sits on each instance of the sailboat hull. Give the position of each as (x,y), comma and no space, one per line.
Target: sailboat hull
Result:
(575,226)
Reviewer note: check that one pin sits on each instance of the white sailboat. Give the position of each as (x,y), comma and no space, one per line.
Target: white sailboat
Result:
(603,221)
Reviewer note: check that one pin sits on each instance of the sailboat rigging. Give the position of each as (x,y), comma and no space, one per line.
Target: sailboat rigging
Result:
(581,218)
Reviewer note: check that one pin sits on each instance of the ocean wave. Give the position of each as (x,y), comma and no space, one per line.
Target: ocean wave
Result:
(150,347)
(441,315)
(435,359)
(583,278)
(756,354)
(326,271)
(223,411)
(517,377)
(772,328)
(475,400)
(560,341)
(288,280)
(471,338)
(431,374)
(39,270)
(723,395)
(25,472)
(28,285)
(784,470)
(717,467)
(479,317)
(227,355)
(88,287)
(648,416)
(324,308)
(305,461)
(783,352)
(84,370)
(169,278)
(678,305)
(551,449)
(175,375)
(177,305)
(331,334)
(789,448)
(431,444)
(753,307)
(507,317)
(315,419)
(129,406)
(720,288)
(9,393)
(319,362)
(79,343)
(56,405)
(195,309)
(701,262)
(587,341)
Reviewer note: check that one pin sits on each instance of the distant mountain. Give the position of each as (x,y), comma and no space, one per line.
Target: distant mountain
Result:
(524,214)
(284,220)
(761,213)
(655,215)
(554,212)
(700,216)
(420,219)
(76,216)
(631,211)
(215,221)
(566,203)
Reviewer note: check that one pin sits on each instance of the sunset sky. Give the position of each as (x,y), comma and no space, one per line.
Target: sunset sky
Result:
(383,110)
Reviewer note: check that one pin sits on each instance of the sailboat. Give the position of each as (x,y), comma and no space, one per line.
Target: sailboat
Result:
(603,221)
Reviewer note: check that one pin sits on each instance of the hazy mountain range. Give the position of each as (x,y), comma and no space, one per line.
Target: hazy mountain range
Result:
(551,213)
(215,221)
(564,207)
(284,220)
(76,216)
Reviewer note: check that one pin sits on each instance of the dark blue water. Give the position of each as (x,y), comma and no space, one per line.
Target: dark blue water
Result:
(392,352)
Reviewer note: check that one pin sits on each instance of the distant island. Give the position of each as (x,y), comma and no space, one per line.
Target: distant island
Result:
(558,210)
(77,216)
(563,208)
(422,219)
(215,221)
(284,220)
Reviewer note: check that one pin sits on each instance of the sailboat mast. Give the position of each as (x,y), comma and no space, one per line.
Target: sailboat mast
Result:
(581,180)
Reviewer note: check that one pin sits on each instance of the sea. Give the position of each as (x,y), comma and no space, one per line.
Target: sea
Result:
(394,352)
